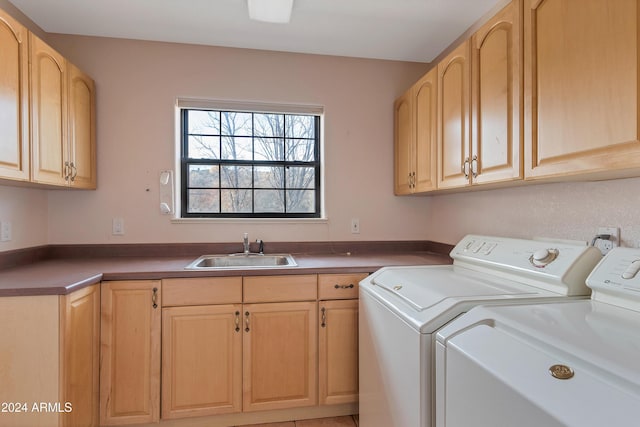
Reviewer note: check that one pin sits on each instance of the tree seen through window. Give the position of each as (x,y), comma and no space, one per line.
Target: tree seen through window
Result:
(252,164)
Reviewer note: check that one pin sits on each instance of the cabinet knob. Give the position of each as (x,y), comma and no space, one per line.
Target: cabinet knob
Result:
(323,318)
(237,321)
(246,321)
(349,286)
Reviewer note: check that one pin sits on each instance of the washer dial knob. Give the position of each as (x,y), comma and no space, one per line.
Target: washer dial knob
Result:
(543,257)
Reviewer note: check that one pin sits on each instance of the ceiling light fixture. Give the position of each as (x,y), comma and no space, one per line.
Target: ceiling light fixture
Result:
(274,11)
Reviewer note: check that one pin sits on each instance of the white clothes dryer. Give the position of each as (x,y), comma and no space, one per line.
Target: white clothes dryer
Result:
(401,308)
(572,364)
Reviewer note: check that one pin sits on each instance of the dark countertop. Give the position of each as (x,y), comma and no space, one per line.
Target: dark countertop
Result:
(61,276)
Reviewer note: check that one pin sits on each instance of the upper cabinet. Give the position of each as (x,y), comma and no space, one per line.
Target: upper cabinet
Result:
(47,113)
(14,99)
(403,144)
(415,137)
(454,161)
(62,120)
(479,133)
(581,65)
(424,98)
(496,93)
(81,156)
(545,90)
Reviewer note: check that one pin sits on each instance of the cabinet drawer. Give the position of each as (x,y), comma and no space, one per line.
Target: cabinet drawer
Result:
(280,288)
(201,291)
(339,286)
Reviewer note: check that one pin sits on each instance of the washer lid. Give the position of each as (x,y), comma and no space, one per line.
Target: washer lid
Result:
(585,335)
(425,287)
(562,364)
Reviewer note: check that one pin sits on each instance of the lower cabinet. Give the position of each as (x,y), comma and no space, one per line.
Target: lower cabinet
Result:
(338,338)
(219,346)
(201,360)
(49,359)
(279,355)
(130,352)
(338,352)
(80,333)
(201,346)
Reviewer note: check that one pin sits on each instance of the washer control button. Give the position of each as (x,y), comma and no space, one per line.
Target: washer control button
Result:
(478,247)
(541,254)
(489,248)
(543,257)
(632,270)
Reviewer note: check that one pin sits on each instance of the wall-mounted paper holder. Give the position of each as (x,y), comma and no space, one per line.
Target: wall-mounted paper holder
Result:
(166,192)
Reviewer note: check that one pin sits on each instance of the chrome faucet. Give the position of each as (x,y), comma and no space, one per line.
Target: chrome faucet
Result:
(245,243)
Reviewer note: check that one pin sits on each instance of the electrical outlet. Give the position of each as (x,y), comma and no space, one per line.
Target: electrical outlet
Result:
(606,245)
(355,226)
(117,226)
(5,231)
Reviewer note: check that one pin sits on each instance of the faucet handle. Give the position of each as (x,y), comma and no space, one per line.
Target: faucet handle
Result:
(260,246)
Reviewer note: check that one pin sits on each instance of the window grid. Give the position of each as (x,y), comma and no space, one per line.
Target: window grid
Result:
(287,212)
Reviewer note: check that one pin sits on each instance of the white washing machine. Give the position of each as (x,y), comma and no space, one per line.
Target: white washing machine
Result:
(402,307)
(574,363)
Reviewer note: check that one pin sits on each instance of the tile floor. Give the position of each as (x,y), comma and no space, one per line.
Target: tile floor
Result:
(348,421)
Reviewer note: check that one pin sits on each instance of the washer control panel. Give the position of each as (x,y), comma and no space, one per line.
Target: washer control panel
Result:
(537,255)
(618,276)
(556,266)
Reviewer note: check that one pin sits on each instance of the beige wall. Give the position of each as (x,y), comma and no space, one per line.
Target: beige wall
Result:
(565,210)
(137,84)
(27,211)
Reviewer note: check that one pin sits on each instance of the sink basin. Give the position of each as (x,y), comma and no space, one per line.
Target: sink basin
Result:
(242,261)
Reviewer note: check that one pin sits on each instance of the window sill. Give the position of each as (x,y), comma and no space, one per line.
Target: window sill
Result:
(250,220)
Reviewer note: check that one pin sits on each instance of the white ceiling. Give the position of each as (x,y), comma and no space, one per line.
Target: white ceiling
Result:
(406,30)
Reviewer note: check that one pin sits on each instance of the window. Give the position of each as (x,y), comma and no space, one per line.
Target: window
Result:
(249,164)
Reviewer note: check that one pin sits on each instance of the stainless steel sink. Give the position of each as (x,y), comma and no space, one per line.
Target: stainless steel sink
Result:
(242,261)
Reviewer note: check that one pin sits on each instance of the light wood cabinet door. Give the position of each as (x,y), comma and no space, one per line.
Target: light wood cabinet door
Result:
(80,367)
(581,87)
(201,360)
(454,162)
(82,141)
(424,154)
(130,352)
(14,93)
(338,352)
(403,144)
(279,355)
(415,137)
(48,114)
(496,153)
